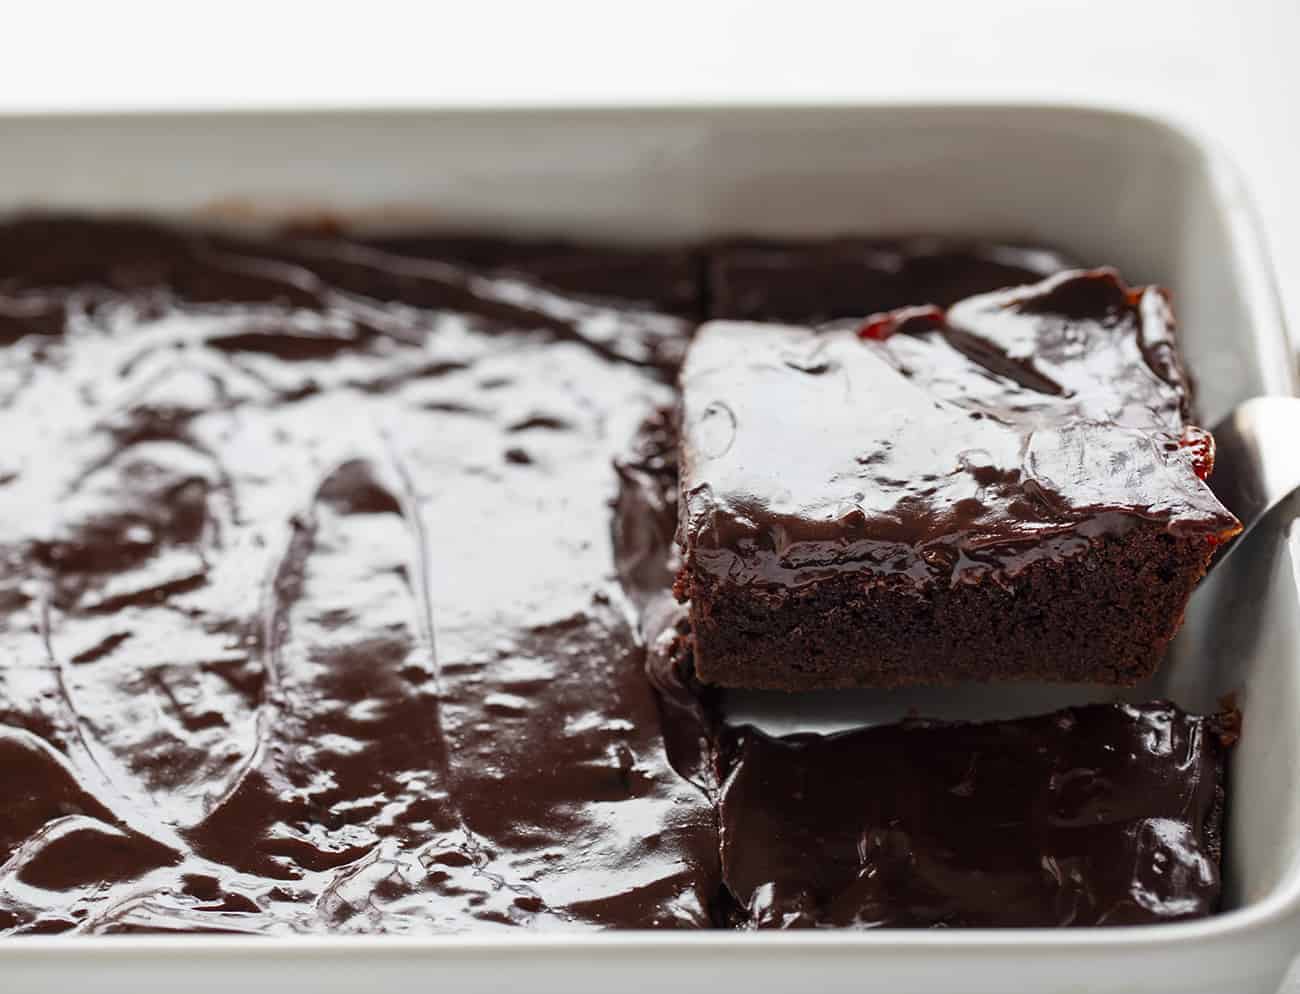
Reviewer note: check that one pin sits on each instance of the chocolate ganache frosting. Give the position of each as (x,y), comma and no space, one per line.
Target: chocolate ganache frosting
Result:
(956,446)
(336,599)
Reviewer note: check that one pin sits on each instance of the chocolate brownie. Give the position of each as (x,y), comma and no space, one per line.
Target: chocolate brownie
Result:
(810,282)
(333,597)
(1075,818)
(308,615)
(670,280)
(1009,489)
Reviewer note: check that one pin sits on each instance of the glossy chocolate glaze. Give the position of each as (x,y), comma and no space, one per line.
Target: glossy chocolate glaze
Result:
(1106,815)
(312,612)
(334,597)
(955,446)
(849,277)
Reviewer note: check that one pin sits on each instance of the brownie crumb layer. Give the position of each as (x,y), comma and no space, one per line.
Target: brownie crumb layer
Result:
(1103,614)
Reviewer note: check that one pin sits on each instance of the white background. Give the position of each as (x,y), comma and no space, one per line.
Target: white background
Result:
(1229,68)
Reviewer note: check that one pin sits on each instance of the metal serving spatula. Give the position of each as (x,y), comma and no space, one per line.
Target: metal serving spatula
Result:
(1257,465)
(1256,462)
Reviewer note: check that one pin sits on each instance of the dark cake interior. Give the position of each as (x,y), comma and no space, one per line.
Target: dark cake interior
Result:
(336,597)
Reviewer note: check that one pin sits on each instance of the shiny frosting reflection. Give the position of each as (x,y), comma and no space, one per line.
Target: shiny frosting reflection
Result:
(335,598)
(957,446)
(312,616)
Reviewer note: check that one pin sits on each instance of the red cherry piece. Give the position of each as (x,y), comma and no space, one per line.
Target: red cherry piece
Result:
(1199,443)
(877,328)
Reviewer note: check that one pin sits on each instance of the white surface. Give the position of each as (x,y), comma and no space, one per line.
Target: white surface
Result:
(1229,68)
(1141,193)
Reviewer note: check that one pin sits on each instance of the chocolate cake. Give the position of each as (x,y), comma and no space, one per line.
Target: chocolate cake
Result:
(311,616)
(812,282)
(1008,489)
(336,586)
(1068,819)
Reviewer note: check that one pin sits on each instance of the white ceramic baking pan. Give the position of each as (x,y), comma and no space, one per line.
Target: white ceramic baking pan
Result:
(1110,187)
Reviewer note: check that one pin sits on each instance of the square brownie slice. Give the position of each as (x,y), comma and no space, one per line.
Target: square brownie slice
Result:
(1104,815)
(1009,489)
